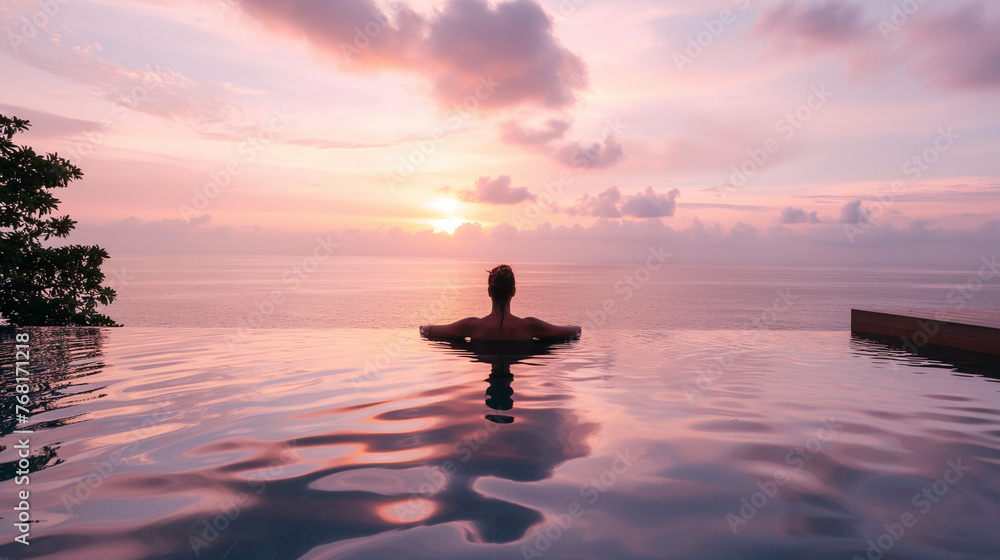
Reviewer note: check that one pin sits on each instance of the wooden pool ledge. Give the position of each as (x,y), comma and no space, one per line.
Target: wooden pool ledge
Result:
(967,329)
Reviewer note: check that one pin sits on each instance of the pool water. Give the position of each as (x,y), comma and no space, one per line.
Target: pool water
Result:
(156,443)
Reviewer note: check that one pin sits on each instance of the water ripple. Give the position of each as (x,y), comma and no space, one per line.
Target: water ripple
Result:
(164,444)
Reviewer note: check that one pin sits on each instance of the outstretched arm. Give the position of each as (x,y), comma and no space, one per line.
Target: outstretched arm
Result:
(542,330)
(458,329)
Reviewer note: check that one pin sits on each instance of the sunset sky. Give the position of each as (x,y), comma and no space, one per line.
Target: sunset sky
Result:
(761,131)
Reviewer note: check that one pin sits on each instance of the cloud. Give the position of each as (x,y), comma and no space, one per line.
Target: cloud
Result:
(504,54)
(603,152)
(469,231)
(503,231)
(598,155)
(651,205)
(204,106)
(358,32)
(604,205)
(497,191)
(45,124)
(815,24)
(605,240)
(610,203)
(799,216)
(958,193)
(960,50)
(514,132)
(851,213)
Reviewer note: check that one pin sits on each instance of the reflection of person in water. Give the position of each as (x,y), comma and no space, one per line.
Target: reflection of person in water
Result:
(413,477)
(526,451)
(500,354)
(500,324)
(500,395)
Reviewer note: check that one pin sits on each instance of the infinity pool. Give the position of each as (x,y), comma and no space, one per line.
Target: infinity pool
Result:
(315,444)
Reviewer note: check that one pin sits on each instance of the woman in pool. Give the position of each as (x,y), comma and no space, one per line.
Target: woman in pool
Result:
(500,324)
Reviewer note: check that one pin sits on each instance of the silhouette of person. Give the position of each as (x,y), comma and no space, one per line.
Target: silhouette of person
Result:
(501,324)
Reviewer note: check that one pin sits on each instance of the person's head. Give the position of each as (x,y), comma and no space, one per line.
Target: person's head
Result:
(501,284)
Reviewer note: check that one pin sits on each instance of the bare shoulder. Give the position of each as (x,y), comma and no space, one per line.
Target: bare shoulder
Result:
(458,329)
(535,322)
(544,329)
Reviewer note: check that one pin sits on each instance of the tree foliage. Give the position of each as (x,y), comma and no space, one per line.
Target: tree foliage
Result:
(39,284)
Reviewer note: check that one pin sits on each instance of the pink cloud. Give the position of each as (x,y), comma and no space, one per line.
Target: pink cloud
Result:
(469,231)
(799,216)
(504,54)
(959,49)
(45,124)
(604,205)
(610,203)
(816,24)
(497,191)
(598,155)
(603,152)
(206,107)
(852,213)
(604,240)
(514,132)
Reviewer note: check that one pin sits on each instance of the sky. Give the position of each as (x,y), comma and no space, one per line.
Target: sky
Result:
(725,131)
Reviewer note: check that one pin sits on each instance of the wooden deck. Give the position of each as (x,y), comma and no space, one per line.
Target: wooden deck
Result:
(968,329)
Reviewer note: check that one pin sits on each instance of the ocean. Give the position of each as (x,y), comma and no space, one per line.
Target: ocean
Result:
(247,292)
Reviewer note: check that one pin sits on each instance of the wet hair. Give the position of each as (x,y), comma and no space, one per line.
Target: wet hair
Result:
(501,285)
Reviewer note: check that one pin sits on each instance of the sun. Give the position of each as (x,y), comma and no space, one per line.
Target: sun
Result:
(446,225)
